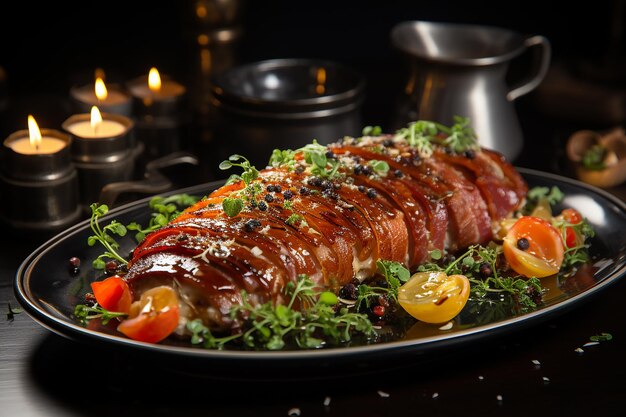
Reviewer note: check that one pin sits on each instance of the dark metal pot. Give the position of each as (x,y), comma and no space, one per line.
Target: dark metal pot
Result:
(285,104)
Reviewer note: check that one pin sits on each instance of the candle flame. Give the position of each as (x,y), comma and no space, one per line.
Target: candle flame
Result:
(321,80)
(101,89)
(154,80)
(96,118)
(33,132)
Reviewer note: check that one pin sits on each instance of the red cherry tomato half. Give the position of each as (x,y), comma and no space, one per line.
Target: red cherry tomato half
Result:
(541,254)
(154,317)
(572,238)
(113,294)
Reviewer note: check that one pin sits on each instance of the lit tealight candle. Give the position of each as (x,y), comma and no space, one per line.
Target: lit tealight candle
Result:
(159,105)
(96,127)
(111,99)
(103,151)
(155,89)
(35,143)
(38,182)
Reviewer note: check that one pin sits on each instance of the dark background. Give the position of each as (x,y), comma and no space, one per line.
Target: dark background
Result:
(56,45)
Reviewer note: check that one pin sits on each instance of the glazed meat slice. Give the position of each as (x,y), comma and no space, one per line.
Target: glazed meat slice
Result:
(368,199)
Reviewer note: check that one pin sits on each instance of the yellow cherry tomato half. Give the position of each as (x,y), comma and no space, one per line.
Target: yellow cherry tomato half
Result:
(533,247)
(434,297)
(153,317)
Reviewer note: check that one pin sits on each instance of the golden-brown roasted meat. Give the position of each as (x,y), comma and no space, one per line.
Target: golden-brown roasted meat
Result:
(378,199)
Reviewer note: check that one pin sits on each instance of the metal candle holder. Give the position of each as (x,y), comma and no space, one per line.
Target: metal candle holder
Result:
(160,117)
(101,161)
(39,192)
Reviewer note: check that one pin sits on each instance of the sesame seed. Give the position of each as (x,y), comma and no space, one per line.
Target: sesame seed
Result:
(579,351)
(293,412)
(326,401)
(383,394)
(435,395)
(536,363)
(499,398)
(546,380)
(481,378)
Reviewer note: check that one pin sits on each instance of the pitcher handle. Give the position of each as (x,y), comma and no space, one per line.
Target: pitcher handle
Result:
(533,82)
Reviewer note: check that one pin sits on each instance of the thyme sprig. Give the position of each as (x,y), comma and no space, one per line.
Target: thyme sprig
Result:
(103,235)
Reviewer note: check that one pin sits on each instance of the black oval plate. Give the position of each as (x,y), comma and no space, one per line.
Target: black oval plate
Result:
(47,291)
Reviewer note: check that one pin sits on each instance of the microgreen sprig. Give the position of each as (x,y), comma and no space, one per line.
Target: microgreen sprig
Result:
(394,273)
(164,210)
(267,326)
(525,291)
(423,134)
(233,205)
(103,236)
(321,165)
(84,313)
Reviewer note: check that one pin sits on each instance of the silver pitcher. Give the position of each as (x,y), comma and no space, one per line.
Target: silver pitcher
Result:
(460,70)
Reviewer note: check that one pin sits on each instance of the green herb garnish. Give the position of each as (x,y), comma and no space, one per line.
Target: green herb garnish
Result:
(282,158)
(103,236)
(380,167)
(84,313)
(536,195)
(232,206)
(296,219)
(164,210)
(395,275)
(423,134)
(272,327)
(525,291)
(11,312)
(372,131)
(251,190)
(593,158)
(602,337)
(321,165)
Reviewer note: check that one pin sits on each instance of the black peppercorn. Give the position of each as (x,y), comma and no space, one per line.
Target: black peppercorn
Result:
(288,195)
(523,243)
(251,225)
(485,270)
(361,188)
(470,154)
(371,193)
(74,265)
(262,205)
(315,181)
(398,174)
(269,198)
(305,191)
